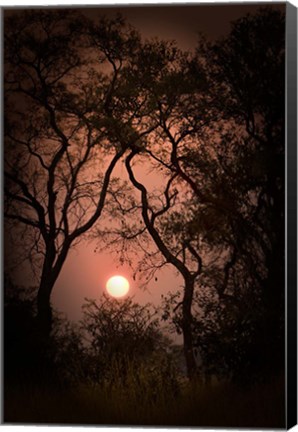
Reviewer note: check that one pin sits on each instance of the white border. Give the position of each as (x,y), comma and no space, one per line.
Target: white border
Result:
(8,3)
(124,2)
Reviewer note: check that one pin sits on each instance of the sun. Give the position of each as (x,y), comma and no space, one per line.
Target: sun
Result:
(117,286)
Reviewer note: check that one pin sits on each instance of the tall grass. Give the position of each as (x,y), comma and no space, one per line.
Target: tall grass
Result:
(147,397)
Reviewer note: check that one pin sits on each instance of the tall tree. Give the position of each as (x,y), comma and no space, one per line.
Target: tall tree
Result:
(166,79)
(61,137)
(248,67)
(244,202)
(216,133)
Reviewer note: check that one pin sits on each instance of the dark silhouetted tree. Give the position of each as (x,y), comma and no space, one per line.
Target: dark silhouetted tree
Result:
(247,68)
(219,148)
(63,76)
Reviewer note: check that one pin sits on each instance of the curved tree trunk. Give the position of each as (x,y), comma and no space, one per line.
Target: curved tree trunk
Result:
(54,260)
(189,278)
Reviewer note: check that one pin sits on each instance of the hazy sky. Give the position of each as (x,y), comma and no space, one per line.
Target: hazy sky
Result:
(86,272)
(181,23)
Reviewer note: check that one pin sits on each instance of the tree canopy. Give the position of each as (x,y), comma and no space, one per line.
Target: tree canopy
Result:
(82,95)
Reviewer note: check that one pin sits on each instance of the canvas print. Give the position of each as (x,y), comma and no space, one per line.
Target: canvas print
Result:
(144,204)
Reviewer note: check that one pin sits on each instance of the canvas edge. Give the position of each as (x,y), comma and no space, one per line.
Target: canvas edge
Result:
(291,216)
(291,205)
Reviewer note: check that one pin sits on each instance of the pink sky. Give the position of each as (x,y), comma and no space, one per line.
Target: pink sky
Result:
(85,272)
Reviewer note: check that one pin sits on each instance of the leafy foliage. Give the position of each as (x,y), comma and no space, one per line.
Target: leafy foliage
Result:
(120,333)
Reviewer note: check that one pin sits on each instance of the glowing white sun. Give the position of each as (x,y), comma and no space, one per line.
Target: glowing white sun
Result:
(117,286)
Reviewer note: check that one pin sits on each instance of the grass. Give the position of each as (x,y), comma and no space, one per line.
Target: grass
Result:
(217,405)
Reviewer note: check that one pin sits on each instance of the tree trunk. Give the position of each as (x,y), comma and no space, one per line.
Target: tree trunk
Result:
(47,281)
(51,269)
(179,265)
(44,308)
(187,328)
